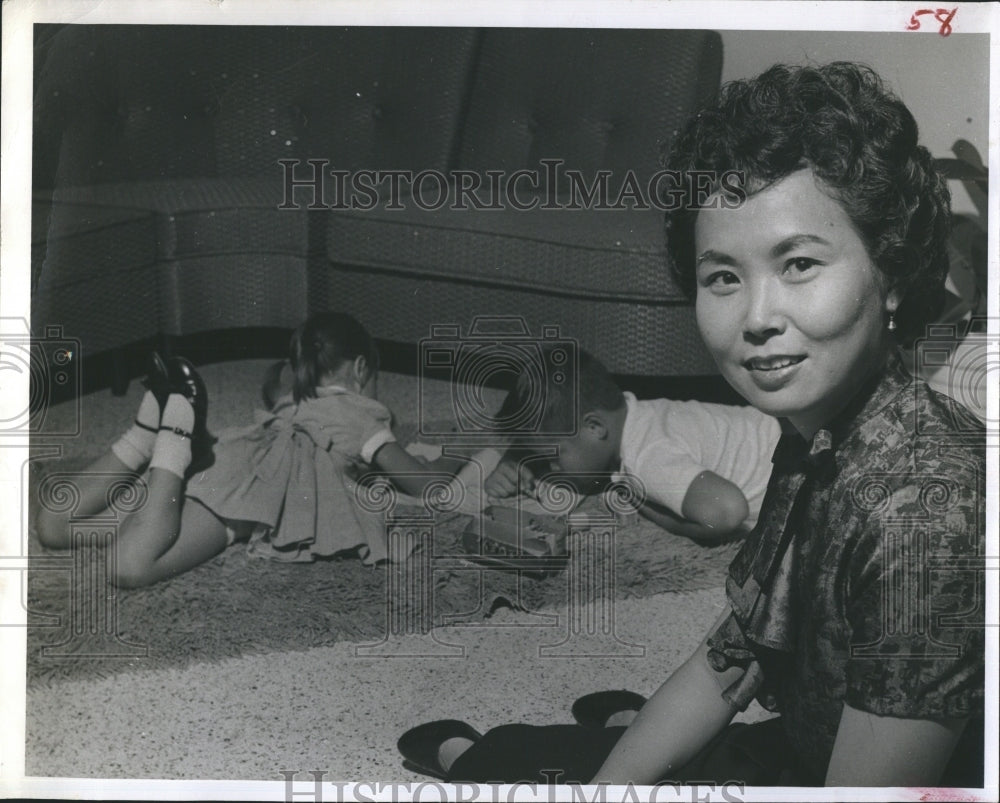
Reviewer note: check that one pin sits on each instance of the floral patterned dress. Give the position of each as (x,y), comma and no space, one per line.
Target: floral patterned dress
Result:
(863,581)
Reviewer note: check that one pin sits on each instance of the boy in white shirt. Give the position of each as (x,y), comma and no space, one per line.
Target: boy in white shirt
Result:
(700,469)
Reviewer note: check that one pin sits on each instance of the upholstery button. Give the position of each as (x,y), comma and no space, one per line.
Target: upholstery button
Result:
(377,112)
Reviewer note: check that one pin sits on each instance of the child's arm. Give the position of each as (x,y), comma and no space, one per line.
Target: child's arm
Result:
(512,476)
(674,724)
(412,474)
(712,509)
(715,503)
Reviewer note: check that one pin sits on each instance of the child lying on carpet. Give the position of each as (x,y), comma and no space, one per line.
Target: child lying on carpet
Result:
(286,484)
(698,469)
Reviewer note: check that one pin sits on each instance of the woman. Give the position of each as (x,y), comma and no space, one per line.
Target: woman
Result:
(851,611)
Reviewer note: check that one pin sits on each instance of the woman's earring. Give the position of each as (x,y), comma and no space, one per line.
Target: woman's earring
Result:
(891,326)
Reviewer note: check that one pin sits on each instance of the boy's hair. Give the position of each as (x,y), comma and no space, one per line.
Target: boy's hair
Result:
(858,138)
(321,345)
(564,402)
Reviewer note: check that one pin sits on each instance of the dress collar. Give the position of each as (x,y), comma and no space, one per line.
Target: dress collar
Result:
(877,393)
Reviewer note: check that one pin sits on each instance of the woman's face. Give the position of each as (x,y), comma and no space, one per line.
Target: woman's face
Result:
(788,301)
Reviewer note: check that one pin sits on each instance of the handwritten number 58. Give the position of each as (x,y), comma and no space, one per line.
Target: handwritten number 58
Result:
(942,15)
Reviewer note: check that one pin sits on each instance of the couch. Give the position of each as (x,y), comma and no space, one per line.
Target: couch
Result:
(185,183)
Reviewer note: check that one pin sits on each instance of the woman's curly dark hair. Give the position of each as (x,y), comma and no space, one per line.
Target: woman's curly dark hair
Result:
(859,139)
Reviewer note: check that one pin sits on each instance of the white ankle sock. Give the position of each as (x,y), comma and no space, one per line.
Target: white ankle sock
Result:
(172,450)
(135,447)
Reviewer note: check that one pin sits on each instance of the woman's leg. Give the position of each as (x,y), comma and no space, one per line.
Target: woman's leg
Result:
(753,755)
(550,754)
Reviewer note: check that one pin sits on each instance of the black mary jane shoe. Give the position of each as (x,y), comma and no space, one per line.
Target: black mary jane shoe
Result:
(185,380)
(420,745)
(594,710)
(158,380)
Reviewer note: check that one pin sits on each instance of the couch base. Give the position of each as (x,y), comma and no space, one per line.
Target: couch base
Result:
(656,339)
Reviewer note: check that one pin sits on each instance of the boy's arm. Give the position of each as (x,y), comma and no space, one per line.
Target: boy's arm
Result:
(715,503)
(674,724)
(512,476)
(713,509)
(664,517)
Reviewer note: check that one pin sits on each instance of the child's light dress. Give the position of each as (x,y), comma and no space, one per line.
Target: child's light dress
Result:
(289,480)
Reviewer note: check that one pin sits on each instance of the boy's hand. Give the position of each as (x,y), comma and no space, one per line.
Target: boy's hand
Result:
(504,481)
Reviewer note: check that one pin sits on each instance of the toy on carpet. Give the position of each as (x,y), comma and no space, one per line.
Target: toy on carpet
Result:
(509,538)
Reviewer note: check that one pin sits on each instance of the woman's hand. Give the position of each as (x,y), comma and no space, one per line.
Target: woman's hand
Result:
(872,750)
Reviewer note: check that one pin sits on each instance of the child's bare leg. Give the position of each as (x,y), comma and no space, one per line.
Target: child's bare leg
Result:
(166,536)
(169,536)
(94,484)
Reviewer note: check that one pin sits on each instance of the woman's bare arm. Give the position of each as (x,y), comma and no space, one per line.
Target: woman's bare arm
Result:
(873,750)
(675,723)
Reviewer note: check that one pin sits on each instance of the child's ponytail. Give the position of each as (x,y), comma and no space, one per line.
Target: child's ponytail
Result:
(321,345)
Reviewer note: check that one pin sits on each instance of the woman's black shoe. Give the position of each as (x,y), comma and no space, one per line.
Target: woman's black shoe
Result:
(594,710)
(185,380)
(420,745)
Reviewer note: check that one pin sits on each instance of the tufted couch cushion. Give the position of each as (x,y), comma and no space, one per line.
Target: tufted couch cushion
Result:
(186,126)
(183,135)
(591,101)
(595,99)
(135,102)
